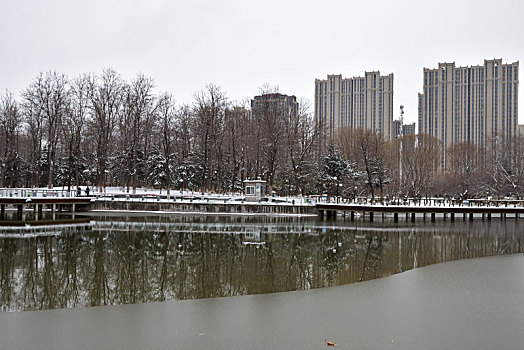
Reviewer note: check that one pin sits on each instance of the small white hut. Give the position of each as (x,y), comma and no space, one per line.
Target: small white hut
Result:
(254,189)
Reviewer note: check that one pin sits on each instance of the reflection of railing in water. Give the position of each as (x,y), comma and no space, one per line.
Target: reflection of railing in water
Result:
(45,222)
(313,227)
(43,229)
(193,228)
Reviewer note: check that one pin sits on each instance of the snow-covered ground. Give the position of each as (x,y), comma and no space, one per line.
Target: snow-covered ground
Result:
(151,195)
(157,195)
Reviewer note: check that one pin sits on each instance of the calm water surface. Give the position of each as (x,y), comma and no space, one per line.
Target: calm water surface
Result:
(105,260)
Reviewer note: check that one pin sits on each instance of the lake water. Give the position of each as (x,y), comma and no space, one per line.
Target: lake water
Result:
(468,304)
(109,260)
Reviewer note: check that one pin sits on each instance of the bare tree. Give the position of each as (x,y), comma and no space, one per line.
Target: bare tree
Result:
(74,126)
(272,118)
(48,96)
(183,145)
(464,169)
(420,161)
(135,125)
(166,122)
(10,120)
(210,106)
(236,143)
(33,117)
(301,138)
(106,103)
(368,150)
(518,164)
(142,100)
(503,165)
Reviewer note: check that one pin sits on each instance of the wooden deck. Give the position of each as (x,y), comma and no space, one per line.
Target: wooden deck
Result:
(44,200)
(37,204)
(331,209)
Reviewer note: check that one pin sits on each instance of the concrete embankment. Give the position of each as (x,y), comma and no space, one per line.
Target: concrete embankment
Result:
(211,207)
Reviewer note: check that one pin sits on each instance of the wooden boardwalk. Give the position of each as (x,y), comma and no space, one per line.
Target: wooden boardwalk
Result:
(371,210)
(37,204)
(54,200)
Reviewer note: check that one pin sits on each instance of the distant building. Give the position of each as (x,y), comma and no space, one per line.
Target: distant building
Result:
(359,102)
(238,111)
(397,128)
(521,129)
(469,104)
(407,129)
(283,106)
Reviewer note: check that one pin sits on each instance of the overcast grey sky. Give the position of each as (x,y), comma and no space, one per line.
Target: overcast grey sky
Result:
(241,44)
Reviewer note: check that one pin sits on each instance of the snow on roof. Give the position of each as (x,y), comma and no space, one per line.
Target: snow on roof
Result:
(252,181)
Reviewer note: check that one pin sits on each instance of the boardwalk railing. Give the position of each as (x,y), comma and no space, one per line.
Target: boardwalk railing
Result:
(428,202)
(486,210)
(37,192)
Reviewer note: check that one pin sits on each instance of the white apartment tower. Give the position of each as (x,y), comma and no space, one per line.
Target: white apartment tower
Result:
(359,102)
(469,104)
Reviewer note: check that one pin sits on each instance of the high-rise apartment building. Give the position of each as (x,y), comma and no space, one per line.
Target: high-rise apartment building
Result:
(359,102)
(469,104)
(399,129)
(284,106)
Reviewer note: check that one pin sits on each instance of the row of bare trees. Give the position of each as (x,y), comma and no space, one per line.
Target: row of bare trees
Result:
(103,130)
(413,166)
(496,169)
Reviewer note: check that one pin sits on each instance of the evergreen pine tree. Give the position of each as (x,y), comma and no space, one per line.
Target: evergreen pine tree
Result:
(335,172)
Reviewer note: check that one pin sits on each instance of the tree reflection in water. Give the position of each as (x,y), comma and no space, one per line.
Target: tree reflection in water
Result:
(140,260)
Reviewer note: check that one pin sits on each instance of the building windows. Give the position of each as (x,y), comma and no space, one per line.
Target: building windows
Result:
(250,190)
